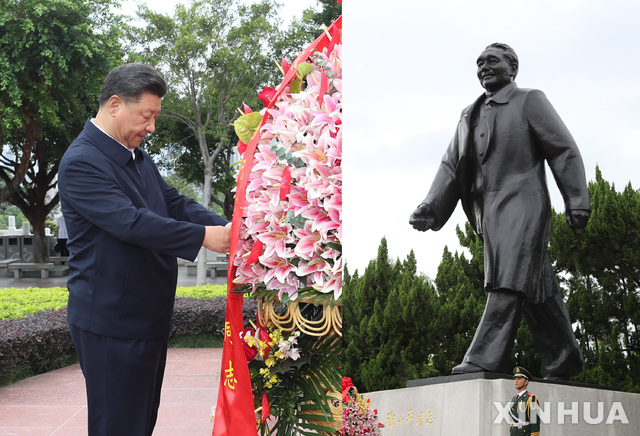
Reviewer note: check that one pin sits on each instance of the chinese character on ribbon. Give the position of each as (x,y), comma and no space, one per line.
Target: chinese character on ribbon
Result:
(227,331)
(229,380)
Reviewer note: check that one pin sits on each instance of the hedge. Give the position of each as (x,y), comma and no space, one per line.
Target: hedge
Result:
(42,342)
(16,303)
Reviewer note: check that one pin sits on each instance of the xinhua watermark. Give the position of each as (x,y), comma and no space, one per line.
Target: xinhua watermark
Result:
(569,413)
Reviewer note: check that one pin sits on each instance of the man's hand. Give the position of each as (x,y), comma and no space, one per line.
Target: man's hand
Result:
(217,238)
(577,219)
(423,218)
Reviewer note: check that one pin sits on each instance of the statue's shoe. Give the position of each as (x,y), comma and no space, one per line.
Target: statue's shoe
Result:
(466,368)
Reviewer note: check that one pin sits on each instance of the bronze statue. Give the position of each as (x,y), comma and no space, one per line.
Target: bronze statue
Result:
(495,166)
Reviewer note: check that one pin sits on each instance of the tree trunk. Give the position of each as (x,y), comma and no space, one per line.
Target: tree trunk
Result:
(201,278)
(37,218)
(40,246)
(21,167)
(229,199)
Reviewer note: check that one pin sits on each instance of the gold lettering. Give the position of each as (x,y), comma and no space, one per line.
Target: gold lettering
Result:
(430,419)
(229,380)
(391,418)
(409,418)
(227,332)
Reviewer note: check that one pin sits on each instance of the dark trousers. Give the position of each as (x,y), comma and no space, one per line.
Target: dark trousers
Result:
(550,328)
(123,379)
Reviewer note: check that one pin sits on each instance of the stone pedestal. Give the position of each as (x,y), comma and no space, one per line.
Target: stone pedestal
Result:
(476,404)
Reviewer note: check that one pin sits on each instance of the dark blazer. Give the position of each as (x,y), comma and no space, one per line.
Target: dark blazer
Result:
(513,212)
(126,228)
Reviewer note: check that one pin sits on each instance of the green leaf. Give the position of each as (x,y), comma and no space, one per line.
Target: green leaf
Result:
(334,245)
(246,125)
(304,69)
(296,86)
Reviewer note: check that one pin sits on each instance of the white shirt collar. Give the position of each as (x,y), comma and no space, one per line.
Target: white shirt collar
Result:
(102,130)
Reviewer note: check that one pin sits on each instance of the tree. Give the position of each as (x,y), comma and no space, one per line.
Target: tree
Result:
(601,267)
(53,57)
(331,10)
(214,54)
(6,210)
(387,316)
(394,320)
(183,186)
(460,302)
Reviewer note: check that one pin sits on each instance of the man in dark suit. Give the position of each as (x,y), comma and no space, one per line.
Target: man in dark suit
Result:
(495,165)
(126,228)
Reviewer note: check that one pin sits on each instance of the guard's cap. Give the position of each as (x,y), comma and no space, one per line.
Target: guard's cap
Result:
(519,371)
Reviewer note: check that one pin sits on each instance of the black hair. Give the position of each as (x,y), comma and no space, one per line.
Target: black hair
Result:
(130,81)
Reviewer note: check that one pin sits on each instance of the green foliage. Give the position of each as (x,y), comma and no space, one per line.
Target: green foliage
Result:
(205,291)
(183,186)
(202,340)
(48,50)
(300,401)
(16,303)
(397,326)
(54,55)
(600,266)
(460,301)
(215,55)
(246,125)
(331,10)
(387,319)
(7,210)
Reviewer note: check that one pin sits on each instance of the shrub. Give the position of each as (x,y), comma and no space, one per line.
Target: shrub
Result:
(205,291)
(192,316)
(16,303)
(42,342)
(39,342)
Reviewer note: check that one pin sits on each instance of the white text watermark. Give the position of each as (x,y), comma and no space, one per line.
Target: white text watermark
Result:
(566,413)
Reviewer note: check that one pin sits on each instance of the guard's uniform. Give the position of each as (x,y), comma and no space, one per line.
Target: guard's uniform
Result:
(524,409)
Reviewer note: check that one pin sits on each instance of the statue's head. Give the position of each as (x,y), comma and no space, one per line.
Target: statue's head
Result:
(497,66)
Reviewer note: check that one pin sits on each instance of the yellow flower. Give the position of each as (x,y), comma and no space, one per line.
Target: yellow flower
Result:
(270,361)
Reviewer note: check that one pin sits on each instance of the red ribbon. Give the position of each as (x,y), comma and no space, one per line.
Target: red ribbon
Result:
(234,409)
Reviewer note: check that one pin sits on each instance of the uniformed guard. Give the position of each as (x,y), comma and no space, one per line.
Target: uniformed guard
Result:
(524,406)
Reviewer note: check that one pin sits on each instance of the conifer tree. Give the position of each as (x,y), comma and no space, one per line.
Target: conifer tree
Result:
(386,320)
(397,326)
(601,266)
(461,300)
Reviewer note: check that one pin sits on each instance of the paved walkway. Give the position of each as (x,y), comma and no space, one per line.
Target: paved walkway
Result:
(55,403)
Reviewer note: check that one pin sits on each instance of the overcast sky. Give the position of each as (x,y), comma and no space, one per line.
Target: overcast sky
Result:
(409,70)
